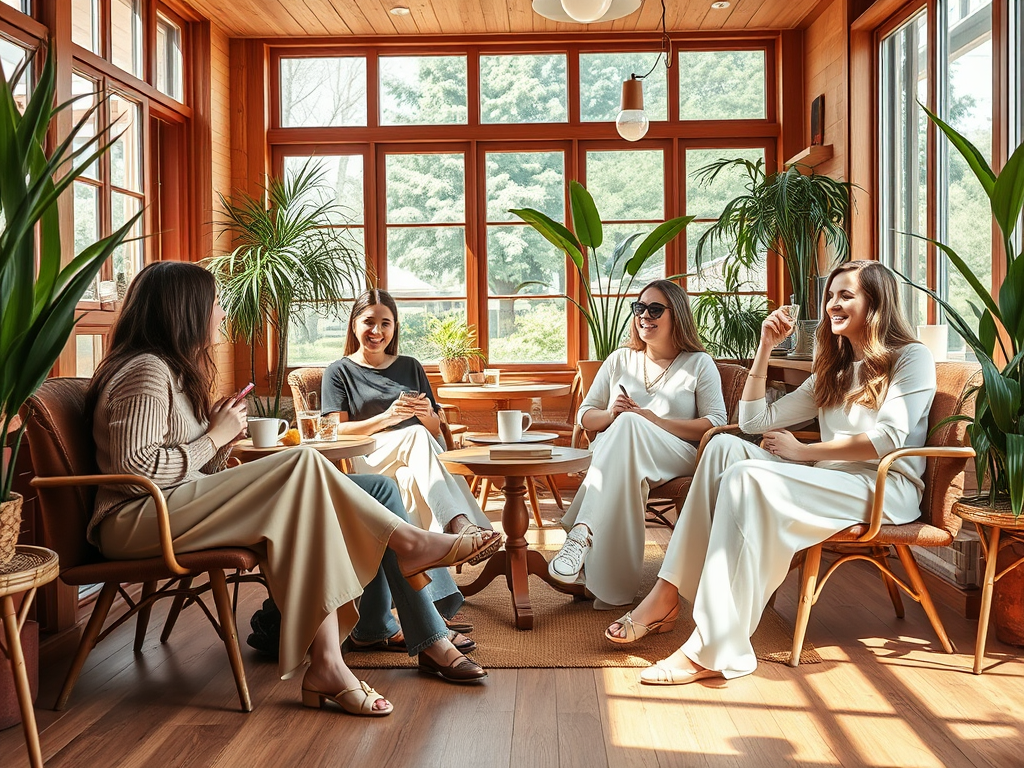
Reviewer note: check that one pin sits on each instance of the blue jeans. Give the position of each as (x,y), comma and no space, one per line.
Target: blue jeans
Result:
(420,611)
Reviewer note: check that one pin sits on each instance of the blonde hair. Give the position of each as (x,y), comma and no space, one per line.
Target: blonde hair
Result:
(684,329)
(886,333)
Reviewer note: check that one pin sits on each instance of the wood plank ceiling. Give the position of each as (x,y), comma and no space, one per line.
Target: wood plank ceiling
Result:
(294,18)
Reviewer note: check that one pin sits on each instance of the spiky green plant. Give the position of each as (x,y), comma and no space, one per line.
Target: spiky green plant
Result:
(603,309)
(729,321)
(37,305)
(787,212)
(453,339)
(287,255)
(996,430)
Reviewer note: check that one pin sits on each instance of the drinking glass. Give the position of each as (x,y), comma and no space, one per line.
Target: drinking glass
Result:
(492,377)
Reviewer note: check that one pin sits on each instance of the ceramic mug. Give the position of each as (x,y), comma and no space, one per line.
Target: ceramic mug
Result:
(266,432)
(512,424)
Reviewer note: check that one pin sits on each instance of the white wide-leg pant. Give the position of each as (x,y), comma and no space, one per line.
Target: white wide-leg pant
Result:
(747,514)
(629,457)
(433,497)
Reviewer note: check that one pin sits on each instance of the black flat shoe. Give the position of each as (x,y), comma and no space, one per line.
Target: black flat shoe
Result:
(461,671)
(467,644)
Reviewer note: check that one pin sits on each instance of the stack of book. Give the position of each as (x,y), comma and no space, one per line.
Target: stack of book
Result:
(526,452)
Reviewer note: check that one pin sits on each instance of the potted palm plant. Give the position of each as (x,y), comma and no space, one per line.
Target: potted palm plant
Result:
(606,283)
(791,213)
(996,430)
(38,292)
(729,321)
(289,255)
(455,344)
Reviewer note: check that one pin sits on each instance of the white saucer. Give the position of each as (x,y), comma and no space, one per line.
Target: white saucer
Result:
(491,438)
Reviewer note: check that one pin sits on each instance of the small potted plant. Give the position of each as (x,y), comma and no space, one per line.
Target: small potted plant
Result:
(455,344)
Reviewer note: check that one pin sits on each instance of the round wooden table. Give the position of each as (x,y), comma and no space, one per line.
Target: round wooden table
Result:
(31,568)
(501,394)
(998,522)
(517,561)
(345,447)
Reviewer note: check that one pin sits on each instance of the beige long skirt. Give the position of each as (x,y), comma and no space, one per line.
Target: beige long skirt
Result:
(319,537)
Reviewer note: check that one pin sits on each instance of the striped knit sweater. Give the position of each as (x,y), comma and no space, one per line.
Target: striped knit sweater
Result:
(144,425)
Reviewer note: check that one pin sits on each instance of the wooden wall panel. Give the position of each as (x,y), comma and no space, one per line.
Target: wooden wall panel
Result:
(220,157)
(826,61)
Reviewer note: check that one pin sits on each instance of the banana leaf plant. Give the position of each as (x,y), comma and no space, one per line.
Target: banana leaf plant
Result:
(38,303)
(996,430)
(788,212)
(288,255)
(603,308)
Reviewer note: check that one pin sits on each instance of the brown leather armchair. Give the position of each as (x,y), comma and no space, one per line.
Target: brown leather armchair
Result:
(63,459)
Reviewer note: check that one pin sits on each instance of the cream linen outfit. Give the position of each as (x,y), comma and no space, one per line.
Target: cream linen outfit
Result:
(432,496)
(633,454)
(320,538)
(749,512)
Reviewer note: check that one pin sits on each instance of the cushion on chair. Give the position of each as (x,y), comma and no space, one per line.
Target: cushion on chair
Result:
(734,377)
(154,568)
(302,381)
(918,534)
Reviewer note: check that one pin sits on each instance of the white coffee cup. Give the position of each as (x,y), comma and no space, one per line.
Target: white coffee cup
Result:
(266,432)
(512,424)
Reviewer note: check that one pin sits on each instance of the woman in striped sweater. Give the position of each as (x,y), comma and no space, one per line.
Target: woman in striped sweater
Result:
(320,538)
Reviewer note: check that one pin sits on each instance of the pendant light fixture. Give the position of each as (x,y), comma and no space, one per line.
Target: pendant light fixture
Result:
(632,122)
(585,11)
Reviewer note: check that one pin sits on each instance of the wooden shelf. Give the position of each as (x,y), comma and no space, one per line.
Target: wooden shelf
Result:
(812,156)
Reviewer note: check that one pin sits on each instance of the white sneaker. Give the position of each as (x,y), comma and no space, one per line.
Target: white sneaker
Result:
(565,567)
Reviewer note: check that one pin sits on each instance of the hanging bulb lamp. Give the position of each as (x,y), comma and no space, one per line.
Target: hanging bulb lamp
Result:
(632,122)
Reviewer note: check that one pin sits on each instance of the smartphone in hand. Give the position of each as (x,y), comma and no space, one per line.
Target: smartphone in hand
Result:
(240,395)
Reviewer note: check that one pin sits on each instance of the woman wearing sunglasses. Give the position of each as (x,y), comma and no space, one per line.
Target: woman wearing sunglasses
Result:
(650,402)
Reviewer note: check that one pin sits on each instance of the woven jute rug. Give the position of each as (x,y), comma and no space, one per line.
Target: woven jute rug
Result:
(569,633)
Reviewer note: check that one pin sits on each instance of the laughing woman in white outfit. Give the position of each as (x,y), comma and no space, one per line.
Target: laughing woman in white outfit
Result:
(366,388)
(650,402)
(750,510)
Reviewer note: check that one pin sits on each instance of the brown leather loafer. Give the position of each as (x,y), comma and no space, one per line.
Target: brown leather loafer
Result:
(463,670)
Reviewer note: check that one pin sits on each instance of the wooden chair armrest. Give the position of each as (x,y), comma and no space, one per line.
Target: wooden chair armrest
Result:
(162,517)
(724,429)
(886,462)
(807,435)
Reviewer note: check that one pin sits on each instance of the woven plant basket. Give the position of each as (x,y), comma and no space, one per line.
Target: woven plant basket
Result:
(10,527)
(453,371)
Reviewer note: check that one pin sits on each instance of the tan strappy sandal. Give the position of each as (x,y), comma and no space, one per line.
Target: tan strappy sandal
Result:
(419,578)
(635,630)
(356,701)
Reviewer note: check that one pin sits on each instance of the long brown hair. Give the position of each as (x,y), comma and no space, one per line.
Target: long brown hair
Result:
(886,333)
(684,330)
(166,312)
(363,303)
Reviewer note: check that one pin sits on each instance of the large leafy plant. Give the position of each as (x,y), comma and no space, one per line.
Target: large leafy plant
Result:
(289,254)
(788,212)
(996,430)
(38,302)
(603,306)
(729,321)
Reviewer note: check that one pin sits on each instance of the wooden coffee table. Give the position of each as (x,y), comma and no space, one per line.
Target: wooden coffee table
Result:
(501,394)
(517,561)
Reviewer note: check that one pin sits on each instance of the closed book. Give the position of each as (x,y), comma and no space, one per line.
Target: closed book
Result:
(506,452)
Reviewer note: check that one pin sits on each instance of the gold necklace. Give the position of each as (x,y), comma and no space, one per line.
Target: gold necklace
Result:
(648,385)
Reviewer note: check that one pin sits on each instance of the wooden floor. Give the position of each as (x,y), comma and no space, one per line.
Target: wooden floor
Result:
(886,695)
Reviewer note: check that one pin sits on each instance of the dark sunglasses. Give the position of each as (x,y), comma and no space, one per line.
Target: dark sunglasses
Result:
(654,311)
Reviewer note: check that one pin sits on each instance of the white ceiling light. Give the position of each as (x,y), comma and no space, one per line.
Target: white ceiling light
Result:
(721,4)
(399,10)
(586,11)
(552,9)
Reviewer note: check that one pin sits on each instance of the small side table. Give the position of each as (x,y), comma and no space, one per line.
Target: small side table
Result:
(31,568)
(997,522)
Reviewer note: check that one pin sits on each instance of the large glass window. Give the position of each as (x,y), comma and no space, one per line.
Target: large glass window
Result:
(523,89)
(902,144)
(323,91)
(169,63)
(317,337)
(966,99)
(601,76)
(722,85)
(705,201)
(425,248)
(526,316)
(422,90)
